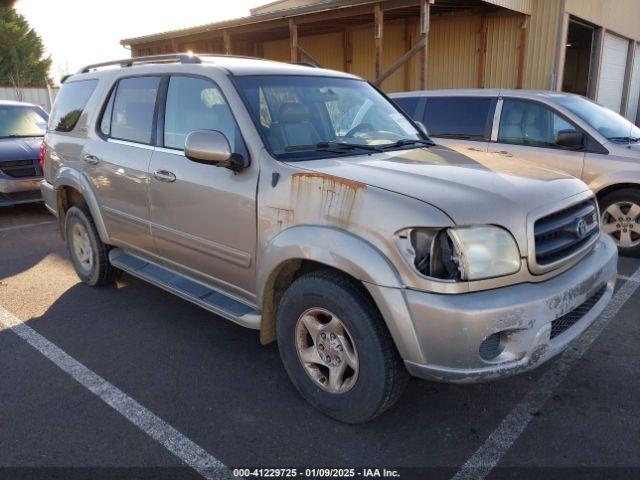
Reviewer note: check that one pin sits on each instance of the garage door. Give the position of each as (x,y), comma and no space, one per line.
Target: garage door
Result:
(634,88)
(612,69)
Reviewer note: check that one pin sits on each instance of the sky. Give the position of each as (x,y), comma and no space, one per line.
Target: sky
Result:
(80,32)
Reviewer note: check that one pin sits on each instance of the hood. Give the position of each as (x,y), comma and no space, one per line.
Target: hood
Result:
(499,193)
(20,148)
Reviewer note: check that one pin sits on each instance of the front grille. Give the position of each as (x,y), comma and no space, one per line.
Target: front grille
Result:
(19,168)
(565,232)
(566,321)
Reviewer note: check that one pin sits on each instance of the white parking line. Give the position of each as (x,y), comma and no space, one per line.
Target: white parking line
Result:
(27,225)
(628,279)
(167,436)
(500,441)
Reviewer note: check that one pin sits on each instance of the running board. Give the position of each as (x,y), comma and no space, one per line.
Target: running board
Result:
(186,288)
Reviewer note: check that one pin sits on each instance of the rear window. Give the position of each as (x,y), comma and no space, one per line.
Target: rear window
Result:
(130,110)
(70,103)
(459,117)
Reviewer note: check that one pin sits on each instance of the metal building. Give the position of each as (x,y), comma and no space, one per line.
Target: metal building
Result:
(583,46)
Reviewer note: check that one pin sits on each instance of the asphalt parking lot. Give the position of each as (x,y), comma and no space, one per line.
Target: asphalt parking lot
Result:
(186,376)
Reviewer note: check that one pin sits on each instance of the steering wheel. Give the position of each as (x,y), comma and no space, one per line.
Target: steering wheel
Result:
(361,127)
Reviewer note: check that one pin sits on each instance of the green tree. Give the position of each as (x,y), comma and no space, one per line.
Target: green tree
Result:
(22,60)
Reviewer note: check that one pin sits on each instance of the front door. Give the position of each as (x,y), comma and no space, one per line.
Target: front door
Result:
(117,161)
(527,132)
(203,217)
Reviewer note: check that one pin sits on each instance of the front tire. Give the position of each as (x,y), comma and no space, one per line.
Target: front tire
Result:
(620,215)
(90,257)
(336,348)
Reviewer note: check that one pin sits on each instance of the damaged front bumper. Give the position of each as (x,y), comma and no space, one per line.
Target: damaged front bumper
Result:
(491,334)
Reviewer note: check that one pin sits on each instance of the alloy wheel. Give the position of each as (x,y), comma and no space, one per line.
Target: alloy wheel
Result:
(82,247)
(326,350)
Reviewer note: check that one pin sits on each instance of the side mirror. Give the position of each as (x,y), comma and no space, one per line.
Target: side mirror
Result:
(570,139)
(212,147)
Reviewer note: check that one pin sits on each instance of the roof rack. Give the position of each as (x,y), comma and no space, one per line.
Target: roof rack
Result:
(180,57)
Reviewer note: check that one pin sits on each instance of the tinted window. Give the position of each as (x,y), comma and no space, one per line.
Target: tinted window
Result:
(133,109)
(197,104)
(408,105)
(468,118)
(18,121)
(530,123)
(70,102)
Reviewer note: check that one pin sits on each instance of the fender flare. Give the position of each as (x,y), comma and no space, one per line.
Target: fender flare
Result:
(330,246)
(68,177)
(350,254)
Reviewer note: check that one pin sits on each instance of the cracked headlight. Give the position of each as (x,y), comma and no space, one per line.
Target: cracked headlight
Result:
(461,253)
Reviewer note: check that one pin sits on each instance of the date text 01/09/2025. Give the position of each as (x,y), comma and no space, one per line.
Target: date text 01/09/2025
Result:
(316,473)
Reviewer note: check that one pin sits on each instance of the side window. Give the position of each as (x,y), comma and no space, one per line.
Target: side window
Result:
(105,123)
(197,104)
(408,105)
(530,123)
(132,110)
(70,103)
(459,117)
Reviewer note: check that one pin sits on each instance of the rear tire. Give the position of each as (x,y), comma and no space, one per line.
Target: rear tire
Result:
(356,340)
(89,255)
(620,215)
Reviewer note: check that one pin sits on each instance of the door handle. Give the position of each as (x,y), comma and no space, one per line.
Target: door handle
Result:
(91,159)
(504,153)
(164,176)
(471,149)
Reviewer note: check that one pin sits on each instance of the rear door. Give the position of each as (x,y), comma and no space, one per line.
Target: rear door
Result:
(117,160)
(527,131)
(203,216)
(461,123)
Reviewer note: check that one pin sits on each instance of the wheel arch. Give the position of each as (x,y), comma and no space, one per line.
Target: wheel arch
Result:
(613,187)
(72,188)
(301,249)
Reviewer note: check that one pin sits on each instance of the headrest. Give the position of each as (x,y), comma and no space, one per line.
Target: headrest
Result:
(293,112)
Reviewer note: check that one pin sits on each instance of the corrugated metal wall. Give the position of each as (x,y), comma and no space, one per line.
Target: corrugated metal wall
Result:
(37,96)
(454,47)
(276,50)
(503,48)
(541,44)
(453,51)
(328,50)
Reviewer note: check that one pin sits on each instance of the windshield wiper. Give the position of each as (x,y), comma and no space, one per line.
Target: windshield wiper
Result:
(332,146)
(625,139)
(409,141)
(20,136)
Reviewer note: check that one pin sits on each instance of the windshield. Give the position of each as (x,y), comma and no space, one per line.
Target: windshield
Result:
(607,122)
(310,117)
(20,121)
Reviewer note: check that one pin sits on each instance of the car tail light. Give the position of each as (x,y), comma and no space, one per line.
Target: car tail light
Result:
(43,153)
